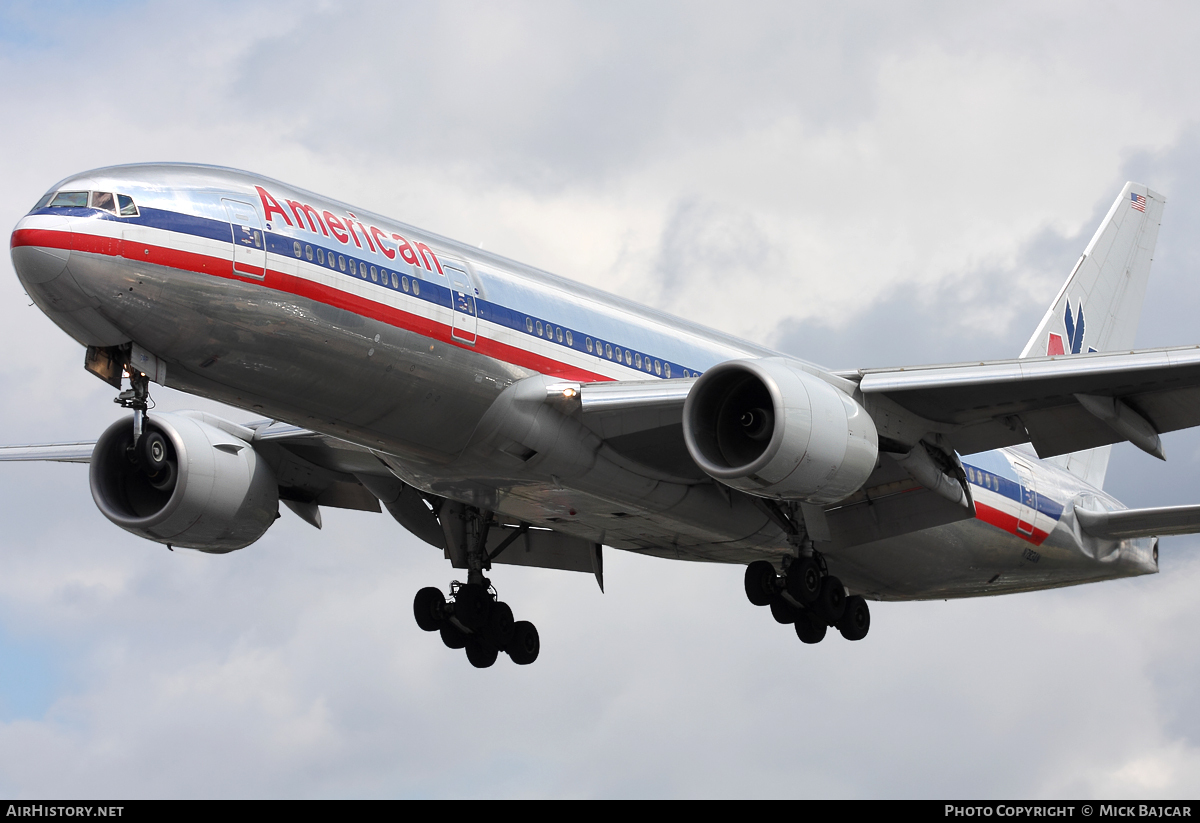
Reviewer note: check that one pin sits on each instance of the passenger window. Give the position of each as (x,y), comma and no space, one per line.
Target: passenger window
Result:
(628,358)
(308,253)
(395,282)
(570,342)
(128,207)
(558,335)
(416,287)
(296,248)
(667,370)
(404,283)
(352,269)
(637,360)
(529,324)
(342,262)
(617,353)
(375,275)
(587,342)
(608,351)
(657,367)
(104,200)
(321,256)
(538,326)
(69,200)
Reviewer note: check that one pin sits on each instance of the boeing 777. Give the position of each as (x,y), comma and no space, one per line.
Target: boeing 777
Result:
(505,415)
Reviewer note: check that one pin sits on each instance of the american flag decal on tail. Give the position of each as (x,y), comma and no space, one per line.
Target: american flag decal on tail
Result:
(1138,202)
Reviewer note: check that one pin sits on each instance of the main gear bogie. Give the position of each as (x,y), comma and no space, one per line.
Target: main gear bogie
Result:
(808,598)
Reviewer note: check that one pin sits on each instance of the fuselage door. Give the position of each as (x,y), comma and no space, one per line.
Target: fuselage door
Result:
(249,246)
(1027,508)
(462,294)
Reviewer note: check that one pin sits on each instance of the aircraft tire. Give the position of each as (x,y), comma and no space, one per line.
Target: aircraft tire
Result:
(500,625)
(783,611)
(154,452)
(453,637)
(472,606)
(481,654)
(429,608)
(804,581)
(810,628)
(856,622)
(832,602)
(760,582)
(525,644)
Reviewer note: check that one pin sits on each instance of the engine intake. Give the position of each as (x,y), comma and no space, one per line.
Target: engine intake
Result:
(769,428)
(188,483)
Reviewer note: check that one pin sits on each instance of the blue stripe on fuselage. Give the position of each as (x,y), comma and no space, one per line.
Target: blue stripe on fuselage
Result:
(430,291)
(1008,487)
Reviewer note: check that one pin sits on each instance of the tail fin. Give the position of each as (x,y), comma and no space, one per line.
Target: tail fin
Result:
(1099,306)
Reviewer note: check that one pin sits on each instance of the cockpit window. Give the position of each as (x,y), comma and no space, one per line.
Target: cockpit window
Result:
(70,200)
(45,201)
(128,207)
(104,200)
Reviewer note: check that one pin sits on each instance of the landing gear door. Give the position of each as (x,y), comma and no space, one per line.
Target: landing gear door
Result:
(1027,504)
(249,247)
(462,295)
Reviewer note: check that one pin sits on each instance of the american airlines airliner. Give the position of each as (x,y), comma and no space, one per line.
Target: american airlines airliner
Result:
(504,415)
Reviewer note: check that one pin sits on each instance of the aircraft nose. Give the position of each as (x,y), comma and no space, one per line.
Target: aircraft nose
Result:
(40,248)
(41,251)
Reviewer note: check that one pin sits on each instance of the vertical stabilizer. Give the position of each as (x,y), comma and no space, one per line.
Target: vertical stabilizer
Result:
(1099,306)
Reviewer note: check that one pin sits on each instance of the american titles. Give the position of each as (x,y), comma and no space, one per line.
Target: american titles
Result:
(347,229)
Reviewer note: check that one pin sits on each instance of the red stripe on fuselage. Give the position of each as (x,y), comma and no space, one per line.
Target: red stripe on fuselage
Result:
(46,238)
(1006,522)
(300,287)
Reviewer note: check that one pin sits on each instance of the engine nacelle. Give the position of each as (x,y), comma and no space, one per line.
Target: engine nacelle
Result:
(189,483)
(768,428)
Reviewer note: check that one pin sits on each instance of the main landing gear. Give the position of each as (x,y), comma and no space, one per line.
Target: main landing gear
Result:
(809,598)
(474,618)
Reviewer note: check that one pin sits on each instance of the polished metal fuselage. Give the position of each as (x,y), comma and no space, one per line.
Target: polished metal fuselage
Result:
(436,355)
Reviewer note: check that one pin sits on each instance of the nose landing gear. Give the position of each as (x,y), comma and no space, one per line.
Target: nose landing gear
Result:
(808,598)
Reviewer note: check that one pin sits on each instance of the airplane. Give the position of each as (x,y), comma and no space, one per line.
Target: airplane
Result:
(505,415)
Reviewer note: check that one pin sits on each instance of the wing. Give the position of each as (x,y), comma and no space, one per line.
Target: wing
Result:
(640,422)
(1060,404)
(56,452)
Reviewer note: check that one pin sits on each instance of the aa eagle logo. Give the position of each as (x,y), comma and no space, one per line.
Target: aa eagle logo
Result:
(1074,341)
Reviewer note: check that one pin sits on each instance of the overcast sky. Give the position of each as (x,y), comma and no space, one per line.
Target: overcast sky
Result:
(855,184)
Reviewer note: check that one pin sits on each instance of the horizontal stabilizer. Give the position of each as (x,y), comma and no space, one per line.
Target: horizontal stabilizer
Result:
(1156,522)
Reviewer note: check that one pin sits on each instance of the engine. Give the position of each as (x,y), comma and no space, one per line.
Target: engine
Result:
(768,428)
(187,483)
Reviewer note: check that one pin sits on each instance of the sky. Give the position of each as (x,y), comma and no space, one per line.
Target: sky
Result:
(856,184)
